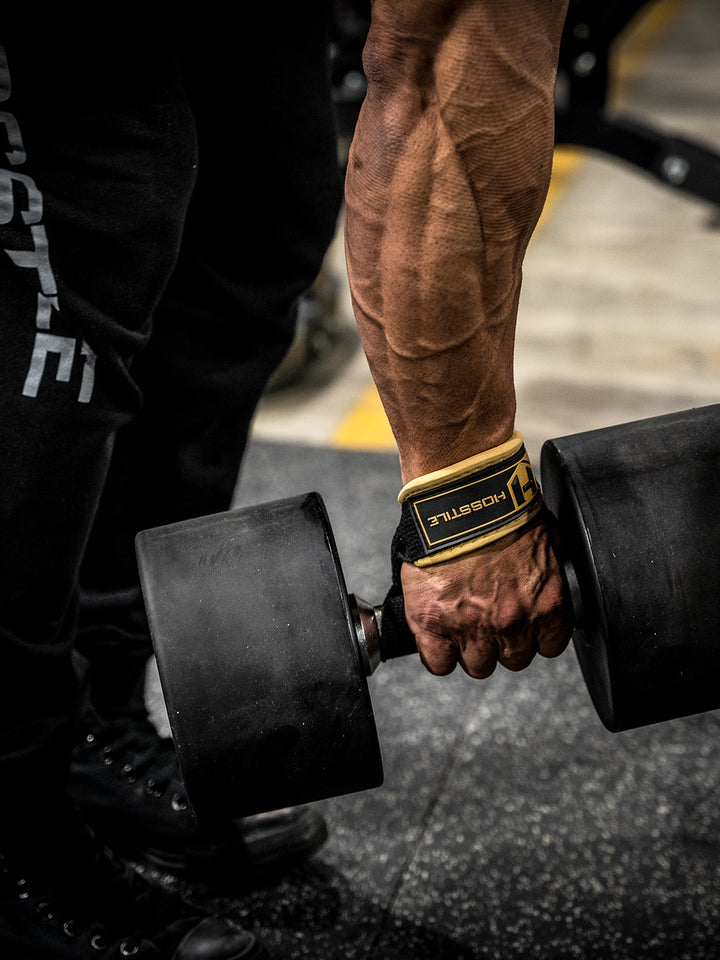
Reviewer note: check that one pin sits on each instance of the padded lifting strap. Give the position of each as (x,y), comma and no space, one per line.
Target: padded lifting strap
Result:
(465,506)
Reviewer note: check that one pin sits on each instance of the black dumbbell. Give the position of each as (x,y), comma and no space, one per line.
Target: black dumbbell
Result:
(264,656)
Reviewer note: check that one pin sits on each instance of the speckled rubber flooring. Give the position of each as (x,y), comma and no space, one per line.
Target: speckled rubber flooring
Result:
(511,824)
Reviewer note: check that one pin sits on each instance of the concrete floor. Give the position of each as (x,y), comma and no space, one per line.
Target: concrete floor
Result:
(511,824)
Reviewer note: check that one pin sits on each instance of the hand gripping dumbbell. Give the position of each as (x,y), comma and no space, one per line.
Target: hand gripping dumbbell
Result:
(264,656)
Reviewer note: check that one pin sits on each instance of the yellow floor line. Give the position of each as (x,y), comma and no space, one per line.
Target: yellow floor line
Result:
(366,427)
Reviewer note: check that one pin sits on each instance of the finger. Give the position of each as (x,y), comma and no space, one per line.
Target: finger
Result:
(478,658)
(554,641)
(518,656)
(555,632)
(438,654)
(516,635)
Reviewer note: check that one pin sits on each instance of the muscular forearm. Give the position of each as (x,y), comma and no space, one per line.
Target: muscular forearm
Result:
(447,176)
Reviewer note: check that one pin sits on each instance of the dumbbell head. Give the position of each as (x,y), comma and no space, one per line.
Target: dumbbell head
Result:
(638,506)
(263,658)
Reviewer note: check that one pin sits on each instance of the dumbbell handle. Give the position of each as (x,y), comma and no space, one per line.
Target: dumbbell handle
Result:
(382,632)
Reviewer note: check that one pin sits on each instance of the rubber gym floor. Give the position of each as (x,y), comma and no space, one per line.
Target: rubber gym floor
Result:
(511,824)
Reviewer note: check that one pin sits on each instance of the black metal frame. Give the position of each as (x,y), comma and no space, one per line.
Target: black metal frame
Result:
(582,117)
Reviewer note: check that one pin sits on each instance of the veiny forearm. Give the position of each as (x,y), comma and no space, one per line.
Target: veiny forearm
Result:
(447,176)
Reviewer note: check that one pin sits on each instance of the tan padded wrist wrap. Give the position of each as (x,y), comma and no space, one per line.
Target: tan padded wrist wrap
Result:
(469,504)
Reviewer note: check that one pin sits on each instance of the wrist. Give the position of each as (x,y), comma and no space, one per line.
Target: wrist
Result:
(469,504)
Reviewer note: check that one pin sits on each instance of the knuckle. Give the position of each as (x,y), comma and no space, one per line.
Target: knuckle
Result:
(511,615)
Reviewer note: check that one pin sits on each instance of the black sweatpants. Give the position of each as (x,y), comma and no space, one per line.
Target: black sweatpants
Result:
(164,200)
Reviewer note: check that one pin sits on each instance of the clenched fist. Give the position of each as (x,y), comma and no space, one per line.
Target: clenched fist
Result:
(500,604)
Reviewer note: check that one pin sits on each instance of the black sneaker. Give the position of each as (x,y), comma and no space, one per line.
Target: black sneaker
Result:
(126,780)
(63,896)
